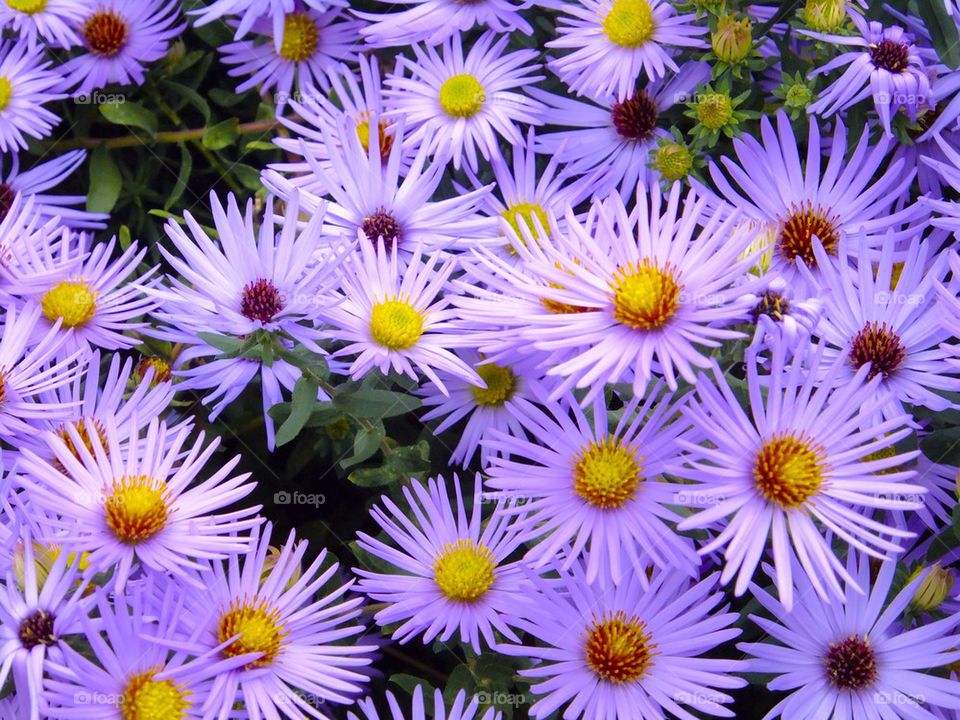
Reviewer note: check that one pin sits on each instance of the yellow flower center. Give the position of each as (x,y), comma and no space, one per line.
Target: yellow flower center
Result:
(259,627)
(395,324)
(87,430)
(147,699)
(6,92)
(462,96)
(30,7)
(645,295)
(70,301)
(3,387)
(607,473)
(714,110)
(524,212)
(629,23)
(805,222)
(464,570)
(501,385)
(300,37)
(789,469)
(618,648)
(363,132)
(136,508)
(161,369)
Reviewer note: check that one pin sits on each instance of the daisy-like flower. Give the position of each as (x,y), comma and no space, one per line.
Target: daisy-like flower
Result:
(808,203)
(611,141)
(457,103)
(53,21)
(312,42)
(885,65)
(247,280)
(136,503)
(24,374)
(36,614)
(390,316)
(798,463)
(433,21)
(26,84)
(781,318)
(614,41)
(853,658)
(251,11)
(494,407)
(120,37)
(595,488)
(135,676)
(80,288)
(367,194)
(883,313)
(42,177)
(452,578)
(306,645)
(627,652)
(463,707)
(635,294)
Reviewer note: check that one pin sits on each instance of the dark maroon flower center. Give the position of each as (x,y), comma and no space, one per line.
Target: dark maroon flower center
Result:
(37,629)
(261,300)
(878,345)
(636,117)
(7,194)
(851,664)
(773,304)
(890,55)
(381,224)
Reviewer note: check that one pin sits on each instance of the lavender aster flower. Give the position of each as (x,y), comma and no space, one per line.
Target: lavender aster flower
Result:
(42,177)
(454,579)
(250,11)
(26,84)
(52,21)
(596,488)
(433,21)
(136,503)
(463,707)
(614,41)
(794,465)
(630,651)
(457,103)
(854,659)
(119,38)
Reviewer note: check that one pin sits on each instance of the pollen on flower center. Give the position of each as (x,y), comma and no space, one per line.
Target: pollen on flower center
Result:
(501,385)
(635,118)
(462,96)
(607,473)
(300,37)
(6,92)
(890,55)
(618,648)
(161,369)
(772,304)
(851,664)
(30,7)
(797,230)
(382,224)
(70,301)
(524,213)
(645,295)
(105,33)
(259,629)
(261,300)
(147,699)
(137,508)
(37,629)
(629,23)
(464,570)
(789,469)
(879,345)
(87,429)
(395,324)
(385,138)
(674,160)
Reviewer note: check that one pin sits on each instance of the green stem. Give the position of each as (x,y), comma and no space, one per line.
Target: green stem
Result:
(169,136)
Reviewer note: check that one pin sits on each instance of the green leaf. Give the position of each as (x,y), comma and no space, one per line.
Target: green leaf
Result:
(130,114)
(942,446)
(222,135)
(373,403)
(408,683)
(248,176)
(259,145)
(365,445)
(223,343)
(943,31)
(191,96)
(225,98)
(105,181)
(183,177)
(301,407)
(124,237)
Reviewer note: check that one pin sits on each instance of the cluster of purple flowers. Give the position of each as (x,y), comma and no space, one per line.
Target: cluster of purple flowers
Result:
(679,380)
